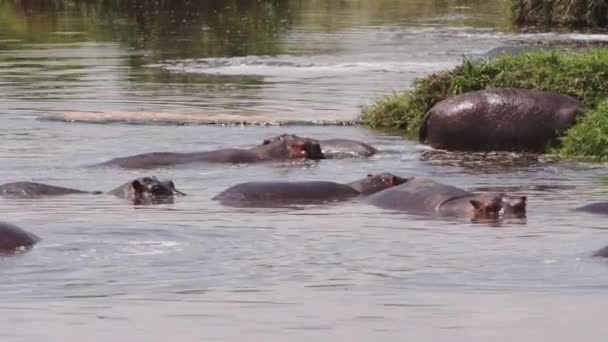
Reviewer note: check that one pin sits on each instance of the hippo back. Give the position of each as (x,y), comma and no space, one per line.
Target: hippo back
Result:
(499,119)
(376,183)
(602,253)
(346,147)
(595,208)
(31,189)
(281,193)
(13,237)
(418,195)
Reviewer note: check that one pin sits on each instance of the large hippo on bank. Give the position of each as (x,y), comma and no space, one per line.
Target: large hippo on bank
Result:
(283,193)
(289,149)
(499,119)
(12,238)
(427,197)
(334,148)
(141,190)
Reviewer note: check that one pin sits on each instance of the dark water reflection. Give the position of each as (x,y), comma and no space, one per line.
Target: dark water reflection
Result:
(195,270)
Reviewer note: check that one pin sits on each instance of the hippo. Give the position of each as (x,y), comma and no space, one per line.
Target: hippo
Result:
(269,194)
(147,190)
(334,148)
(280,150)
(595,208)
(427,197)
(505,119)
(602,253)
(13,238)
(141,190)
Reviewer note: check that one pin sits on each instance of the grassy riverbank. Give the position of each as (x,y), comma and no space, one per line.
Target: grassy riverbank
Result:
(588,140)
(583,75)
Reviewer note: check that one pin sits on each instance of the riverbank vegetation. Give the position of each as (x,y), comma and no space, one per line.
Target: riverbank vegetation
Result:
(583,75)
(560,13)
(588,140)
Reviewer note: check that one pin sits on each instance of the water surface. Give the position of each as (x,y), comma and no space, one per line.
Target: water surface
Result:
(197,271)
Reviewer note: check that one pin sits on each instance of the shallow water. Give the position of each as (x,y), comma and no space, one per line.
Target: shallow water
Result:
(197,271)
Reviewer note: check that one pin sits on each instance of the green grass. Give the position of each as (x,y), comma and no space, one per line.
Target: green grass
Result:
(588,139)
(583,75)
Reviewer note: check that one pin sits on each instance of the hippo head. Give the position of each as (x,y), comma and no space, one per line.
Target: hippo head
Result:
(498,206)
(291,146)
(280,137)
(151,190)
(376,183)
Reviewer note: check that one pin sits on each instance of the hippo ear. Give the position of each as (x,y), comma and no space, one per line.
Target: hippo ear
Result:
(137,186)
(369,175)
(266,142)
(520,204)
(476,204)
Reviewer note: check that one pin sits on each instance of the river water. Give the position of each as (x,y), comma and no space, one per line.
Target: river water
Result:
(197,271)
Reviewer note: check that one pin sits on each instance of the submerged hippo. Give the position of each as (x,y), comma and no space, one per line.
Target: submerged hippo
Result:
(602,253)
(289,149)
(140,190)
(499,119)
(334,147)
(595,208)
(425,196)
(12,238)
(282,193)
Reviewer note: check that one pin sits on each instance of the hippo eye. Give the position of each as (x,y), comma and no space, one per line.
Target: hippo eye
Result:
(147,180)
(369,175)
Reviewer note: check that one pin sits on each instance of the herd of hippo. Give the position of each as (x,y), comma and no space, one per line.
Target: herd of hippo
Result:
(494,119)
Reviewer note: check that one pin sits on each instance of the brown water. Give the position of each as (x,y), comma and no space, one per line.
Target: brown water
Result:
(197,271)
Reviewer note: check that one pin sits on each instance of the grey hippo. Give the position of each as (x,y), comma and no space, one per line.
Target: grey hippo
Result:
(141,190)
(427,197)
(272,194)
(504,119)
(281,150)
(334,148)
(602,253)
(12,238)
(595,208)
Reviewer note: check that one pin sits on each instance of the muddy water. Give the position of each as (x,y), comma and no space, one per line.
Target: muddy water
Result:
(197,271)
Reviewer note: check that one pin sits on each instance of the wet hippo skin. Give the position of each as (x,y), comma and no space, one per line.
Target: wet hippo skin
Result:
(334,148)
(311,192)
(499,119)
(595,208)
(427,197)
(12,238)
(602,253)
(277,151)
(140,190)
